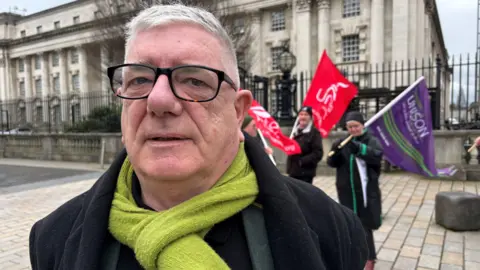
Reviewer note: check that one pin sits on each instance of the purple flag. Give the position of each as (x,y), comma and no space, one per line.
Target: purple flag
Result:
(405,132)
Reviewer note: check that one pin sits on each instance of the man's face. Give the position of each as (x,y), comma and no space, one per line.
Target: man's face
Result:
(303,119)
(354,128)
(210,131)
(251,129)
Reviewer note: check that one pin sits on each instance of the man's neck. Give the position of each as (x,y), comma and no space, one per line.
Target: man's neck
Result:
(163,195)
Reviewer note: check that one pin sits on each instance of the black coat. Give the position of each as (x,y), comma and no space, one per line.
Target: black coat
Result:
(306,229)
(347,174)
(305,164)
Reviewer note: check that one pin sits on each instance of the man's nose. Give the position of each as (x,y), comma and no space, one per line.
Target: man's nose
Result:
(161,99)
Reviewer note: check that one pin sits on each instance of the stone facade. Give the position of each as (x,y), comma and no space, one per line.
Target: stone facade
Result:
(56,53)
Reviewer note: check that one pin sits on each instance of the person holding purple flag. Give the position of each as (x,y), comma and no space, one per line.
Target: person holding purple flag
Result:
(358,166)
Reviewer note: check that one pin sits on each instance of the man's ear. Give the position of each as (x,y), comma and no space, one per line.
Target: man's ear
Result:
(243,101)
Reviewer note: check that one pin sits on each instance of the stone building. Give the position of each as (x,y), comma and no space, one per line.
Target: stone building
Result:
(51,60)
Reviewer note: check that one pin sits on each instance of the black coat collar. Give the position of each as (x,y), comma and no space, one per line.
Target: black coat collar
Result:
(293,244)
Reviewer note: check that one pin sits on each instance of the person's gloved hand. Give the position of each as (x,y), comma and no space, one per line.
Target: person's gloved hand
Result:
(354,147)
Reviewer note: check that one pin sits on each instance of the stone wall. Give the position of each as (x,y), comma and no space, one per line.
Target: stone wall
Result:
(449,148)
(61,147)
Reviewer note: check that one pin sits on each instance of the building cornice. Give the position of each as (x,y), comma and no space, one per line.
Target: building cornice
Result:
(436,20)
(95,24)
(54,9)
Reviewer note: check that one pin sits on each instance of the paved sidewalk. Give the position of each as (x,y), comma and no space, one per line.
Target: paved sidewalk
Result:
(409,239)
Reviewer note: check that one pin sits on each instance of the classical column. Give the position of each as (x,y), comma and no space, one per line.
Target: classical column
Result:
(104,62)
(63,83)
(304,43)
(400,45)
(377,33)
(27,60)
(45,86)
(323,26)
(3,77)
(377,42)
(83,76)
(254,55)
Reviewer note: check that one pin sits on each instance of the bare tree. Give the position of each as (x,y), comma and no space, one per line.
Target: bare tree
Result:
(113,14)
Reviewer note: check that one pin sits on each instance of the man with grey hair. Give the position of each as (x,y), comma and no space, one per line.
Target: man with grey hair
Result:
(190,190)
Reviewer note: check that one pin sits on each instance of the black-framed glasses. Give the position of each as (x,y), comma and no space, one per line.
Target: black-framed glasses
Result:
(189,82)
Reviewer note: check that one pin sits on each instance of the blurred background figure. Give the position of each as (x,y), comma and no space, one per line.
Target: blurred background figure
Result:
(304,166)
(250,128)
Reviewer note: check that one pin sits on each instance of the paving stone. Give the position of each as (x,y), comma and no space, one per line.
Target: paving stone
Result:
(393,243)
(416,232)
(450,267)
(472,266)
(411,252)
(452,258)
(429,261)
(414,241)
(383,265)
(434,239)
(472,255)
(434,250)
(388,255)
(405,263)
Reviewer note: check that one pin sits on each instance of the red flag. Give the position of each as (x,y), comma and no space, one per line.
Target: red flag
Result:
(271,130)
(329,95)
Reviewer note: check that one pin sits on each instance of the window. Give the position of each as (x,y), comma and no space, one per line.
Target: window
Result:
(56,85)
(275,53)
(76,19)
(74,56)
(55,59)
(278,21)
(56,25)
(351,8)
(39,114)
(75,82)
(23,33)
(21,89)
(38,87)
(39,29)
(238,26)
(21,65)
(38,64)
(350,48)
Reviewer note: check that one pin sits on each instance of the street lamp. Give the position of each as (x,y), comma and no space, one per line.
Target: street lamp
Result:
(286,62)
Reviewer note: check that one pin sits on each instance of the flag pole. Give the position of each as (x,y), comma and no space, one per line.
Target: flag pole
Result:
(265,144)
(381,112)
(294,129)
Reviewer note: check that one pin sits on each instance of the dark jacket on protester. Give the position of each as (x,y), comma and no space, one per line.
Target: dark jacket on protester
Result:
(306,229)
(348,182)
(305,164)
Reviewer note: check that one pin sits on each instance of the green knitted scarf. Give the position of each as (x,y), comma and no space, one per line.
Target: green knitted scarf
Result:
(173,239)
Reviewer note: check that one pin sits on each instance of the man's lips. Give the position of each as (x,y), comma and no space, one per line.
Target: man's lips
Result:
(166,137)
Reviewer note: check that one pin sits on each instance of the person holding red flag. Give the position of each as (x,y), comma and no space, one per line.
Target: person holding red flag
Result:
(249,127)
(303,166)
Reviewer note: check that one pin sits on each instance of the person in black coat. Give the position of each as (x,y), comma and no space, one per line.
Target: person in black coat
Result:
(191,190)
(303,166)
(362,151)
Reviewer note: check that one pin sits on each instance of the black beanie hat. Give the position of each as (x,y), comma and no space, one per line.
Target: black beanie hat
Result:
(307,109)
(354,116)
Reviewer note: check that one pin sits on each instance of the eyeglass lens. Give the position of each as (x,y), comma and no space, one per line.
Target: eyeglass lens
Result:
(193,83)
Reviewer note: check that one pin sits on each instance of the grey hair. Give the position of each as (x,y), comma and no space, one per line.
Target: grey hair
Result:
(159,15)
